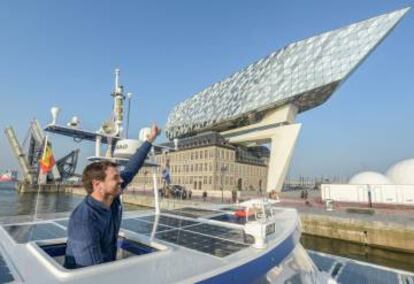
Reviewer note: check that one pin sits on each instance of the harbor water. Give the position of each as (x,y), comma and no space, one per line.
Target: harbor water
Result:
(14,204)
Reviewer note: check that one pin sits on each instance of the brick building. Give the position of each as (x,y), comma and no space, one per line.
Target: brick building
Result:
(207,162)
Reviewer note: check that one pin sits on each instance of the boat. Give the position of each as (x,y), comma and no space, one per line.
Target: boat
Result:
(186,245)
(8,176)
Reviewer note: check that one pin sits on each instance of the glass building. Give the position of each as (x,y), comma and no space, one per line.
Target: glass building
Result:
(305,73)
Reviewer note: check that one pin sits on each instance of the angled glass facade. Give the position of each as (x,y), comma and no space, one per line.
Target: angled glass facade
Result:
(305,73)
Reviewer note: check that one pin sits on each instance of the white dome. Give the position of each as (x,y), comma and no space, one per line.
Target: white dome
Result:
(369,178)
(402,172)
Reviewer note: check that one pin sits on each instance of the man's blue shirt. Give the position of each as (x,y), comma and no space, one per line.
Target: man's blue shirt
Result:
(93,227)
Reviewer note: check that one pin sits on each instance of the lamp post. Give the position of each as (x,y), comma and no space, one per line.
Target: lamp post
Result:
(223,169)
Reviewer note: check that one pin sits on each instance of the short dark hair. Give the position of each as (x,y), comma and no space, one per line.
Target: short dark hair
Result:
(95,171)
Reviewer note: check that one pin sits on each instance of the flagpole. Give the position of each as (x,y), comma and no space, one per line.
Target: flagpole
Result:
(154,180)
(38,180)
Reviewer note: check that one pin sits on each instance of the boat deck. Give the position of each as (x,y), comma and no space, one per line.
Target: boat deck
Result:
(188,244)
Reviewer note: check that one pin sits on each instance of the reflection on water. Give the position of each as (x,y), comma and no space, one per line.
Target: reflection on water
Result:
(399,260)
(13,203)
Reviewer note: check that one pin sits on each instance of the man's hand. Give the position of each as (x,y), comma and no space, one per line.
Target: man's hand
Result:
(155,131)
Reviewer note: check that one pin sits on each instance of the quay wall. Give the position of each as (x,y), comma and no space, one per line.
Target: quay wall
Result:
(398,237)
(393,236)
(147,201)
(50,188)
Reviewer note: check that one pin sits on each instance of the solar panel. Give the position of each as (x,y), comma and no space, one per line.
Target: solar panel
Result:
(141,227)
(322,262)
(354,273)
(222,232)
(191,212)
(169,221)
(27,233)
(5,273)
(210,245)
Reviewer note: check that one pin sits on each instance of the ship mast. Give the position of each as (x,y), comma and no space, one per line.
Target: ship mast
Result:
(118,104)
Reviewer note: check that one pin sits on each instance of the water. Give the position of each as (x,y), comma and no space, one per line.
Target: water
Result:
(14,204)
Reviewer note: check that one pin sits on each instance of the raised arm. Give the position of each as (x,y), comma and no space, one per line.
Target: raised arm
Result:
(138,159)
(135,163)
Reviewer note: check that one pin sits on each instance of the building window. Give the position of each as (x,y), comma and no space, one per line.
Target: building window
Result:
(196,155)
(201,154)
(205,154)
(210,179)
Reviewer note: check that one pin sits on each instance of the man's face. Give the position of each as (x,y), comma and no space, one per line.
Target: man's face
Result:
(112,183)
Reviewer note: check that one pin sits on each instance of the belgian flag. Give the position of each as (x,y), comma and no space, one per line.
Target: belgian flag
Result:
(48,161)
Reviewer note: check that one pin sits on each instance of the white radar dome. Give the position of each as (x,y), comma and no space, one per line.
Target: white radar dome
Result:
(369,178)
(402,172)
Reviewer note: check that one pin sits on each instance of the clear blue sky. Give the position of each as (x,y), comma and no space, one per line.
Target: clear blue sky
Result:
(64,52)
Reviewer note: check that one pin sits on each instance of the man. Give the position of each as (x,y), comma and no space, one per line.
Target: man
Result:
(94,224)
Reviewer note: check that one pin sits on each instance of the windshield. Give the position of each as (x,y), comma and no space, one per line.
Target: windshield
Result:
(297,268)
